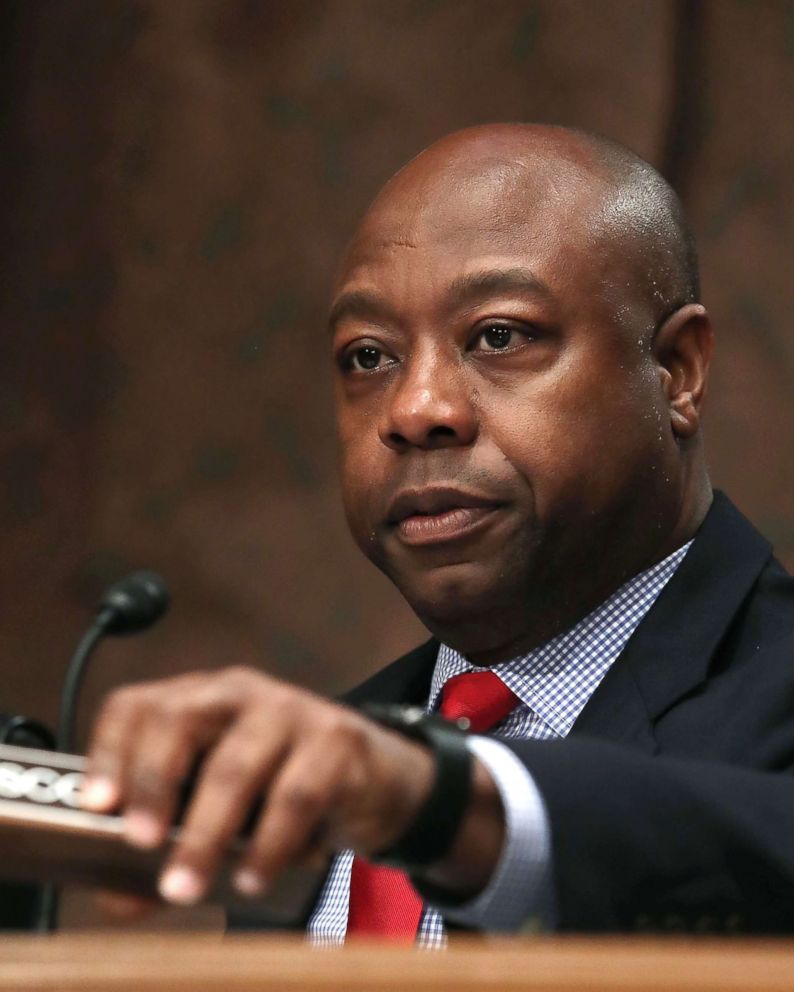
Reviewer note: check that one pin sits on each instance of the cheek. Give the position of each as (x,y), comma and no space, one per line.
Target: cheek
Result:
(359,460)
(578,435)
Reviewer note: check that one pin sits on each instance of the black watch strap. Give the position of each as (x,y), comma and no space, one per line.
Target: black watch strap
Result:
(436,825)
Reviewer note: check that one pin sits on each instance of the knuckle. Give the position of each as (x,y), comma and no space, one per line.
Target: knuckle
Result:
(179,714)
(227,769)
(243,675)
(177,695)
(301,798)
(154,781)
(345,730)
(173,711)
(144,698)
(121,700)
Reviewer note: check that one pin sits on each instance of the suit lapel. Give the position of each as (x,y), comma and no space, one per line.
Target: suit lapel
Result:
(616,711)
(669,654)
(405,681)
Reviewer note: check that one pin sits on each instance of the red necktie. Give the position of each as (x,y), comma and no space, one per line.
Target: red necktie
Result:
(382,900)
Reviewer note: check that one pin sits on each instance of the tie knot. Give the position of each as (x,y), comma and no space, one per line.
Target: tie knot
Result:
(481,697)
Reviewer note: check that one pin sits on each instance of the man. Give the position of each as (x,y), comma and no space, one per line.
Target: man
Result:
(520,362)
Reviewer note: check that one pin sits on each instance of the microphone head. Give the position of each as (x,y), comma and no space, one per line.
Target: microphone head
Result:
(134,603)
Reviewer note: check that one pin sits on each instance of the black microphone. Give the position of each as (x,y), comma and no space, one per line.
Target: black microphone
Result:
(133,603)
(130,605)
(20,731)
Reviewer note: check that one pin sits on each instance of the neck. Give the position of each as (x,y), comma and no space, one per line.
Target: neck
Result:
(555,599)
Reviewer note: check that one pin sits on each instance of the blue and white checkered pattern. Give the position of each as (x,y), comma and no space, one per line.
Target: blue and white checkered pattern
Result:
(554,683)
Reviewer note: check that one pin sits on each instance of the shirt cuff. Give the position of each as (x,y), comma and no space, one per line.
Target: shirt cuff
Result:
(519,895)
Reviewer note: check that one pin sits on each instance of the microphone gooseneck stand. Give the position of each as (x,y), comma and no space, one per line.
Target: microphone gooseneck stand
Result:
(129,606)
(73,681)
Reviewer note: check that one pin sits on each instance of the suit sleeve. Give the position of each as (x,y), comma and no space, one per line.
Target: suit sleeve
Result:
(656,843)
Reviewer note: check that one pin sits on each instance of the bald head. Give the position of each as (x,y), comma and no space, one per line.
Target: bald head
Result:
(625,210)
(645,219)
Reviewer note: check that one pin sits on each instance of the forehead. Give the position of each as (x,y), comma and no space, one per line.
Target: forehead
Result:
(424,232)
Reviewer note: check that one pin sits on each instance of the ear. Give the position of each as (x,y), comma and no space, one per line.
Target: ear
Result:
(682,347)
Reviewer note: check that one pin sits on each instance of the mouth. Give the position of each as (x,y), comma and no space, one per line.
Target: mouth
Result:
(423,517)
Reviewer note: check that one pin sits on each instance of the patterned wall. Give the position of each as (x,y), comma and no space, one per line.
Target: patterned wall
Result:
(179,176)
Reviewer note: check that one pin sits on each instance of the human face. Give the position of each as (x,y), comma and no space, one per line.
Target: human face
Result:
(504,450)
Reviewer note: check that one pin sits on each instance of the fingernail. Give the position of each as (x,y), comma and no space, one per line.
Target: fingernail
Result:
(181,885)
(98,793)
(249,882)
(142,829)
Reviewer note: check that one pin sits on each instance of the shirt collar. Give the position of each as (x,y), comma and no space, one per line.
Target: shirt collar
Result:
(556,679)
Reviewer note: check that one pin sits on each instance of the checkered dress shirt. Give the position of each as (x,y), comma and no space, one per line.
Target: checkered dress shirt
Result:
(554,683)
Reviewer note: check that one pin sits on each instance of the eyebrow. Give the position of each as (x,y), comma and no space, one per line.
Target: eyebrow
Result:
(366,305)
(490,282)
(360,304)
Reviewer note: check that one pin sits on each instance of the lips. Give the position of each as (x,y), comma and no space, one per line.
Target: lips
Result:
(439,514)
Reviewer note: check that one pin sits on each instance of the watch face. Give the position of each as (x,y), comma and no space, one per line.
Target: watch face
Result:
(391,715)
(412,714)
(413,721)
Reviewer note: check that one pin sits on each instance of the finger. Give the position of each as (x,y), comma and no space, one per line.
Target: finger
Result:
(113,735)
(300,799)
(157,769)
(114,739)
(234,775)
(183,716)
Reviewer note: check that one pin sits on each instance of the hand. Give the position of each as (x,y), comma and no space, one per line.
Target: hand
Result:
(330,778)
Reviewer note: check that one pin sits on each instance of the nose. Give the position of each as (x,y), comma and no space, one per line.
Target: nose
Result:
(429,406)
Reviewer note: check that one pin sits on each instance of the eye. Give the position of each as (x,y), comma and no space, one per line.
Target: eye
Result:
(500,337)
(365,358)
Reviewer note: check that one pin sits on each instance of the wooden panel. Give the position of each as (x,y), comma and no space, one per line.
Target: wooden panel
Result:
(91,963)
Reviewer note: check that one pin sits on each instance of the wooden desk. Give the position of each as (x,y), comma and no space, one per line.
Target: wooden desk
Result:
(211,963)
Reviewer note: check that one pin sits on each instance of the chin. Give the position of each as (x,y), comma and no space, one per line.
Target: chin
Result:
(451,597)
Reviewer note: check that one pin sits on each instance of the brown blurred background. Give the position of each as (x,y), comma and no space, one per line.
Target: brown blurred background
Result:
(177,180)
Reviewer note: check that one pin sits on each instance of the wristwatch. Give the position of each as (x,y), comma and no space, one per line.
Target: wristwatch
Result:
(432,832)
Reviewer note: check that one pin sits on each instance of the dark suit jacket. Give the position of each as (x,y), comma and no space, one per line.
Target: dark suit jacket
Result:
(671,803)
